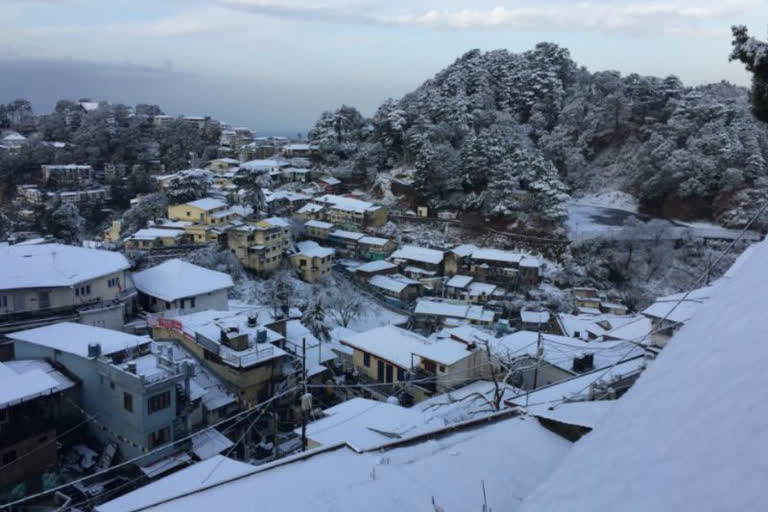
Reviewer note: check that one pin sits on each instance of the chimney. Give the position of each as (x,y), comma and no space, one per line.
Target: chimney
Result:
(132,367)
(94,350)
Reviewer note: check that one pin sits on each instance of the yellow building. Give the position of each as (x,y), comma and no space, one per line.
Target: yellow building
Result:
(112,234)
(221,165)
(312,262)
(210,217)
(260,246)
(152,238)
(349,212)
(317,229)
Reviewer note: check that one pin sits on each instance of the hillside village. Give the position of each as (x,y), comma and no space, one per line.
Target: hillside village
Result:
(252,311)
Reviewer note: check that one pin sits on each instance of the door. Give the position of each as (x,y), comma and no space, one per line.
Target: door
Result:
(389,373)
(44,300)
(18,302)
(380,372)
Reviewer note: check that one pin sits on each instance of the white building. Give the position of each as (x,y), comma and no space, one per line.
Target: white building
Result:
(180,287)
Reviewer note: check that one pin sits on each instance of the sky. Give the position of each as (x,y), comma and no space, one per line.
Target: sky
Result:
(275,65)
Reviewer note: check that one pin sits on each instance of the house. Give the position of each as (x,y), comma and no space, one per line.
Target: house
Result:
(82,198)
(179,287)
(418,262)
(398,474)
(66,176)
(131,398)
(317,229)
(312,261)
(434,313)
(206,211)
(535,320)
(296,150)
(296,175)
(505,268)
(221,165)
(669,313)
(285,202)
(398,289)
(13,139)
(466,289)
(311,211)
(391,355)
(694,455)
(375,248)
(351,213)
(243,348)
(55,281)
(153,238)
(613,308)
(329,184)
(260,247)
(345,241)
(375,268)
(35,409)
(588,298)
(113,233)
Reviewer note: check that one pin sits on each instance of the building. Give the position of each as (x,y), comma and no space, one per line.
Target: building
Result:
(375,248)
(222,165)
(418,262)
(296,150)
(260,247)
(311,211)
(317,229)
(176,286)
(89,197)
(396,289)
(391,355)
(154,238)
(505,268)
(244,348)
(49,282)
(375,268)
(669,313)
(435,313)
(345,241)
(114,232)
(206,211)
(66,176)
(350,213)
(285,202)
(136,401)
(312,261)
(535,320)
(466,289)
(35,409)
(329,184)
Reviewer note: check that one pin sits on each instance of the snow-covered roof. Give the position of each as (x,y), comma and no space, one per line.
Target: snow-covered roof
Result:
(207,204)
(21,386)
(349,235)
(318,224)
(420,254)
(279,222)
(675,309)
(391,283)
(330,180)
(310,208)
(155,233)
(479,289)
(210,471)
(314,250)
(448,470)
(227,160)
(210,443)
(459,281)
(375,266)
(586,413)
(534,317)
(437,308)
(176,279)
(372,240)
(318,353)
(264,164)
(365,424)
(74,338)
(297,147)
(346,203)
(14,136)
(698,441)
(54,265)
(464,250)
(22,366)
(404,348)
(497,255)
(89,105)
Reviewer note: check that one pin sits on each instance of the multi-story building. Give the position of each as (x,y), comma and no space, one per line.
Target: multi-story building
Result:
(312,262)
(506,268)
(211,217)
(66,176)
(48,282)
(135,400)
(352,213)
(260,247)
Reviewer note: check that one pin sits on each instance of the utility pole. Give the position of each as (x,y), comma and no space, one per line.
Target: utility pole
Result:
(538,360)
(304,396)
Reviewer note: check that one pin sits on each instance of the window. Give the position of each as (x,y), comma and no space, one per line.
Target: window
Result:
(303,263)
(400,374)
(159,437)
(183,303)
(442,368)
(127,401)
(111,385)
(4,301)
(192,302)
(367,359)
(159,402)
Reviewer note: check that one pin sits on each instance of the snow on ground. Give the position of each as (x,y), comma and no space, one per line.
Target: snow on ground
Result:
(373,315)
(611,199)
(692,433)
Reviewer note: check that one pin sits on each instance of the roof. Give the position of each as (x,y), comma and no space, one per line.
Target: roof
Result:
(329,180)
(74,338)
(207,204)
(211,471)
(375,266)
(279,222)
(210,443)
(350,235)
(176,279)
(310,208)
(403,348)
(392,283)
(264,164)
(584,414)
(297,147)
(450,470)
(54,265)
(698,442)
(534,317)
(346,203)
(497,255)
(318,224)
(372,240)
(314,250)
(420,254)
(674,309)
(459,281)
(17,385)
(154,233)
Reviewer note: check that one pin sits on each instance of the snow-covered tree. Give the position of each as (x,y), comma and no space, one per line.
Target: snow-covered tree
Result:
(279,293)
(67,224)
(343,303)
(252,182)
(188,185)
(315,317)
(150,207)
